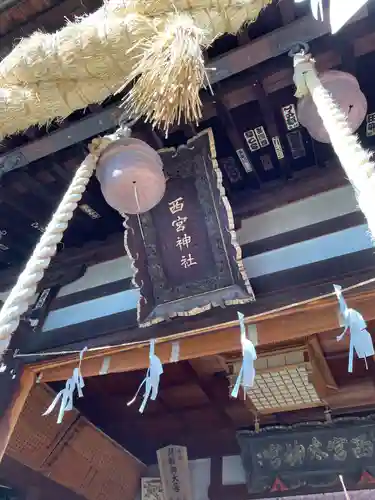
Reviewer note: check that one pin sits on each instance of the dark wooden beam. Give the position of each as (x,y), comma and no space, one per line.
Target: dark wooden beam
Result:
(236,139)
(30,484)
(346,51)
(31,212)
(73,259)
(16,382)
(61,139)
(189,130)
(271,45)
(292,325)
(304,184)
(216,475)
(236,93)
(208,388)
(322,376)
(64,176)
(270,120)
(287,11)
(50,20)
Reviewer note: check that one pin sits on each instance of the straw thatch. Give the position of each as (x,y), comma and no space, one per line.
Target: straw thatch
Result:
(48,76)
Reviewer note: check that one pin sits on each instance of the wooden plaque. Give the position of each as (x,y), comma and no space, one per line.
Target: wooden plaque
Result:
(185,252)
(174,472)
(309,457)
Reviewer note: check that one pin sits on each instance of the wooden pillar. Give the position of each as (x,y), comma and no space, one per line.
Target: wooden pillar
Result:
(16,382)
(216,477)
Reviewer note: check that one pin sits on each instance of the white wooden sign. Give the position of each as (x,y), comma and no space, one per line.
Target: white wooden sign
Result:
(151,489)
(278,147)
(89,211)
(174,472)
(290,116)
(252,140)
(262,137)
(246,163)
(370,125)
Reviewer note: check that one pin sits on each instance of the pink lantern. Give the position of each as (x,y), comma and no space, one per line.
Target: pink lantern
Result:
(345,90)
(131,176)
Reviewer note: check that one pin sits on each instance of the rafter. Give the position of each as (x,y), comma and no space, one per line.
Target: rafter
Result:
(206,386)
(236,139)
(271,45)
(322,376)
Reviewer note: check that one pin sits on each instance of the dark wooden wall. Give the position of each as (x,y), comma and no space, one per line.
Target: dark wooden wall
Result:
(30,485)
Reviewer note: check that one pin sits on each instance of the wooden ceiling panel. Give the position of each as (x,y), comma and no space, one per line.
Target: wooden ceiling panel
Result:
(176,375)
(332,348)
(339,368)
(116,386)
(328,341)
(240,414)
(27,16)
(184,396)
(209,365)
(162,427)
(356,394)
(201,420)
(31,484)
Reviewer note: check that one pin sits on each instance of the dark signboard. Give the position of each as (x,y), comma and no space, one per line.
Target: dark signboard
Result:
(38,312)
(184,250)
(309,457)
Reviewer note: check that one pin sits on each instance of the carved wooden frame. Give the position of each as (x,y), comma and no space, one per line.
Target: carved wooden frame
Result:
(301,479)
(230,284)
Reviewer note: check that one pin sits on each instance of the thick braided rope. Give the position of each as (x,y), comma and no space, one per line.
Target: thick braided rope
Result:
(355,161)
(49,76)
(24,290)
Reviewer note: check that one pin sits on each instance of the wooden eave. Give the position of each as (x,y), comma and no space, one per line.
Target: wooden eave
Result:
(290,325)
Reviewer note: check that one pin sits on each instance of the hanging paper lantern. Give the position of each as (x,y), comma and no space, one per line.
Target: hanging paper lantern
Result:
(131,176)
(346,92)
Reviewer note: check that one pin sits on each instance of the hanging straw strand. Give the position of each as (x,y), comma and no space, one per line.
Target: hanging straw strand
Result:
(19,298)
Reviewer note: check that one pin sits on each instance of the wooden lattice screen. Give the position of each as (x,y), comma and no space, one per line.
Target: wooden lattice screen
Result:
(74,453)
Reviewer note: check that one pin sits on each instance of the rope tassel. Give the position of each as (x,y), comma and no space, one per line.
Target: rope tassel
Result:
(360,338)
(66,395)
(151,380)
(247,373)
(168,74)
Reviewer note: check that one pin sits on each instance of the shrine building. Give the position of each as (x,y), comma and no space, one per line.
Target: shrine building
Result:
(197,319)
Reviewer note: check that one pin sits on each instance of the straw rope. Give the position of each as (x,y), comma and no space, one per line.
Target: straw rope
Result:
(48,76)
(24,290)
(355,161)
